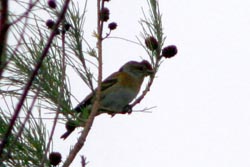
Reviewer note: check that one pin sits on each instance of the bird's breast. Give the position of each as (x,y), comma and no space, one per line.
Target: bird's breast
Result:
(118,99)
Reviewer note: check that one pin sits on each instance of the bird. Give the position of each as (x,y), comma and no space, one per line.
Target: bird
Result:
(117,91)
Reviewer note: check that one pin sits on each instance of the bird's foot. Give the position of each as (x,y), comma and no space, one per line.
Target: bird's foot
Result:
(127,109)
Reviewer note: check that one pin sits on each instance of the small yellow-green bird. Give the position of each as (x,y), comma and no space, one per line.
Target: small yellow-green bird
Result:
(117,91)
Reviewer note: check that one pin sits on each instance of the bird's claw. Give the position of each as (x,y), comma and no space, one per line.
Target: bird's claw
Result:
(127,109)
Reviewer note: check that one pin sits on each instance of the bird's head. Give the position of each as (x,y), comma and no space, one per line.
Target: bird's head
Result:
(138,69)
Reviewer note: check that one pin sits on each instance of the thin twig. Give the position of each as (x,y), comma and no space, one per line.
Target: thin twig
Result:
(18,42)
(63,67)
(125,39)
(25,14)
(4,26)
(20,131)
(27,116)
(144,93)
(154,26)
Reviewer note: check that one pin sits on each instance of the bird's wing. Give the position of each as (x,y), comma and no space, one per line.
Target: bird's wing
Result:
(110,81)
(107,83)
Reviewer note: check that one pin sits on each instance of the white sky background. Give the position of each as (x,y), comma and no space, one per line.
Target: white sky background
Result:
(202,95)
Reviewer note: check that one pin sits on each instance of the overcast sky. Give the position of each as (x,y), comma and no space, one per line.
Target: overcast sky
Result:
(202,96)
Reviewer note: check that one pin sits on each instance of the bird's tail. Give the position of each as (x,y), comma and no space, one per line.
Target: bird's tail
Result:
(70,126)
(66,134)
(82,114)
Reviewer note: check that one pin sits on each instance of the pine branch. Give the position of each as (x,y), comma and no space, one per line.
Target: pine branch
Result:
(30,81)
(81,141)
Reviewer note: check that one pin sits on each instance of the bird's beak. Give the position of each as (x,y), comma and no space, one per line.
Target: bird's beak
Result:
(150,71)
